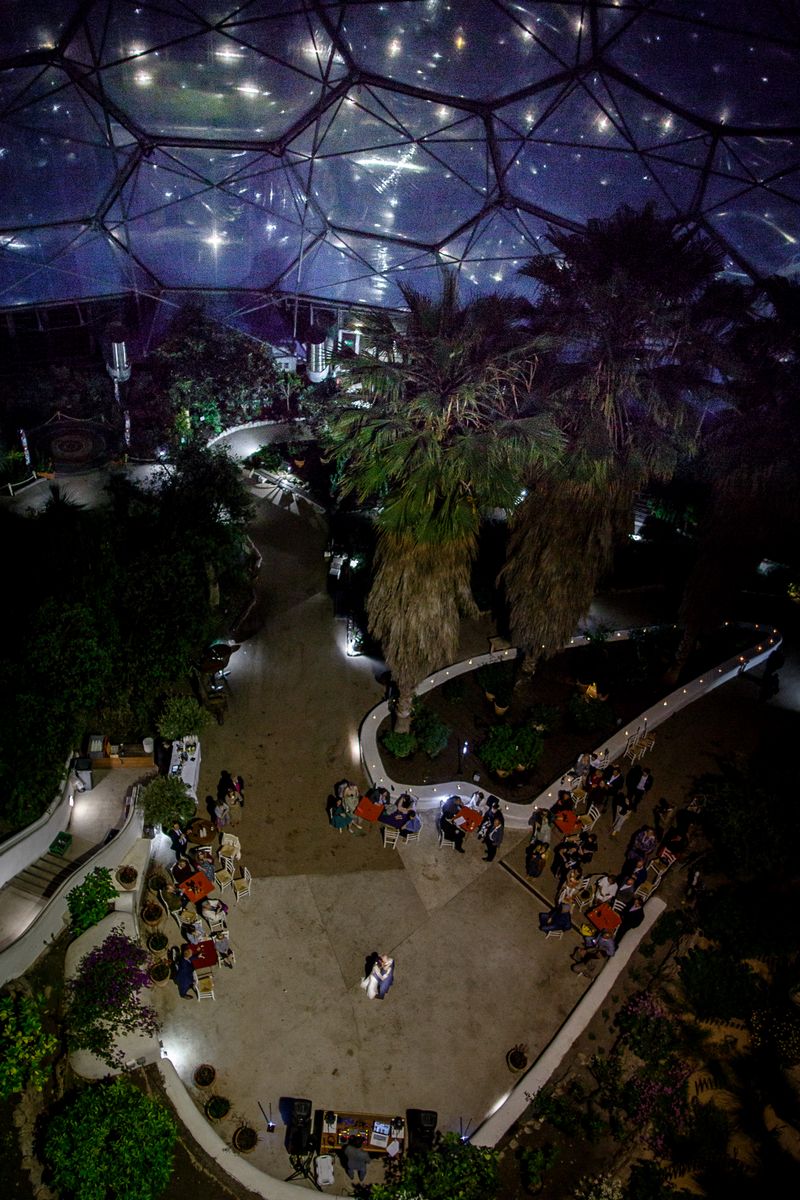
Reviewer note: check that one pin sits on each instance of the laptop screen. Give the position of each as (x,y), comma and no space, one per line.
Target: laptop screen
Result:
(381,1127)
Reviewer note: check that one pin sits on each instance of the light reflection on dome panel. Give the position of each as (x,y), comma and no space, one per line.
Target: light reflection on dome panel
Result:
(111,33)
(30,27)
(763,229)
(48,264)
(298,40)
(450,48)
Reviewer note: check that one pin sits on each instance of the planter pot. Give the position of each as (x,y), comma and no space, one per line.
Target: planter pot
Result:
(500,773)
(158,944)
(489,696)
(160,973)
(245,1139)
(126,878)
(156,883)
(204,1075)
(516,1061)
(152,915)
(500,710)
(217,1108)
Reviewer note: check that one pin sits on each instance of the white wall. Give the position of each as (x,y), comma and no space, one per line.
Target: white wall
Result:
(24,847)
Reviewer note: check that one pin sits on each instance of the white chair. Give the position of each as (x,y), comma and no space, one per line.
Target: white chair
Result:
(619,904)
(410,837)
(445,843)
(228,863)
(390,837)
(554,933)
(204,985)
(231,846)
(216,922)
(646,889)
(241,887)
(590,819)
(662,864)
(578,795)
(223,878)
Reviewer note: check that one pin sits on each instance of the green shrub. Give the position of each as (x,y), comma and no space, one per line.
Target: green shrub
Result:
(530,746)
(499,749)
(648,1030)
(452,1170)
(268,458)
(717,986)
(180,717)
(534,1164)
(25,1044)
(430,730)
(110,1142)
(497,679)
(88,902)
(590,716)
(401,745)
(166,799)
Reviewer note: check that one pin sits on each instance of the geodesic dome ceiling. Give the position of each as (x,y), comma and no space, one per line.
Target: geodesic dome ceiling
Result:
(332,149)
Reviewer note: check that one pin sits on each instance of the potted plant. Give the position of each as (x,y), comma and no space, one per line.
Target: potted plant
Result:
(126,877)
(160,972)
(517,1057)
(297,453)
(158,943)
(499,751)
(181,716)
(244,1139)
(217,1108)
(156,882)
(530,747)
(166,799)
(534,1164)
(152,914)
(497,680)
(204,1075)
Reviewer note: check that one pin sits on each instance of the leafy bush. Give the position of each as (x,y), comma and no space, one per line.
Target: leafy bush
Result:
(430,730)
(598,1187)
(497,679)
(25,1045)
(590,716)
(103,998)
(452,1169)
(181,716)
(111,1142)
(530,746)
(88,902)
(401,745)
(166,799)
(718,986)
(534,1164)
(509,746)
(648,1030)
(268,458)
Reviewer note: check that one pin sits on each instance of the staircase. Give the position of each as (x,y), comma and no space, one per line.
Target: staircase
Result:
(42,877)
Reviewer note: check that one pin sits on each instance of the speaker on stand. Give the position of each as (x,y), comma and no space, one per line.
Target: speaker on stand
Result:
(421,1123)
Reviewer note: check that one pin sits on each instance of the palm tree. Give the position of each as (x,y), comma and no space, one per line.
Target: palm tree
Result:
(628,384)
(750,461)
(434,433)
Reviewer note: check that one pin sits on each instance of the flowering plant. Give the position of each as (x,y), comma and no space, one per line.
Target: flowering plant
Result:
(103,998)
(648,1030)
(598,1187)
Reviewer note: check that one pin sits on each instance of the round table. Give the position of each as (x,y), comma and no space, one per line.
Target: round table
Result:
(200,832)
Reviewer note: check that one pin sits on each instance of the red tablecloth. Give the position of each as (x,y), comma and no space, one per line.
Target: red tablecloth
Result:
(604,918)
(204,954)
(368,810)
(467,819)
(197,886)
(568,822)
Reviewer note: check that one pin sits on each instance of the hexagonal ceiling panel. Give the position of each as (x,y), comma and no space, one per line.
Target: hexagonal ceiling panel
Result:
(325,148)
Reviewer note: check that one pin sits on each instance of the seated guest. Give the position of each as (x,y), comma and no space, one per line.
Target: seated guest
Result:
(563,803)
(173,898)
(569,890)
(605,889)
(644,842)
(451,806)
(413,824)
(583,764)
(626,888)
(193,933)
(589,958)
(477,801)
(378,795)
(210,910)
(676,841)
(555,919)
(204,861)
(222,946)
(451,833)
(587,847)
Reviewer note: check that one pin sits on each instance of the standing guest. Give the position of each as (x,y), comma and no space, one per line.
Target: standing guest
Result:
(541,826)
(234,803)
(184,973)
(494,838)
(222,813)
(586,848)
(638,783)
(615,780)
(620,808)
(177,839)
(238,783)
(598,760)
(631,918)
(340,817)
(627,886)
(536,855)
(224,784)
(380,978)
(597,791)
(661,816)
(356,1159)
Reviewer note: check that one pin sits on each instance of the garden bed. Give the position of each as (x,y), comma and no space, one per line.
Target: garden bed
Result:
(630,673)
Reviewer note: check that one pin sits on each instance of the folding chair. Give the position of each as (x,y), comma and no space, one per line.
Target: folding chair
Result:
(590,818)
(390,837)
(241,887)
(410,837)
(445,843)
(646,889)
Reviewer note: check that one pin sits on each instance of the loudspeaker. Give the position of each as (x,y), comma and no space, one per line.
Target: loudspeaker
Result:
(299,1138)
(421,1126)
(301,1111)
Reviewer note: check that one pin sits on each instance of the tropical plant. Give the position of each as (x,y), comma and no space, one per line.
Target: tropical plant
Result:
(718,986)
(496,678)
(166,799)
(543,717)
(109,1141)
(26,1046)
(590,716)
(103,998)
(499,750)
(598,1187)
(181,716)
(627,382)
(401,745)
(431,732)
(452,1170)
(436,438)
(89,901)
(535,1163)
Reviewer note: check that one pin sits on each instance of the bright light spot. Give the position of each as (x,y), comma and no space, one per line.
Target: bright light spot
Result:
(248,89)
(136,50)
(143,78)
(215,240)
(228,54)
(394,48)
(459,41)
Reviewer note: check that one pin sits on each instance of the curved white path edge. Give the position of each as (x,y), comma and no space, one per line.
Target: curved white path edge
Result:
(516,815)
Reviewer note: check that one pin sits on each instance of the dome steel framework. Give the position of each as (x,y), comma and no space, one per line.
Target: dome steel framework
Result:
(333,149)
